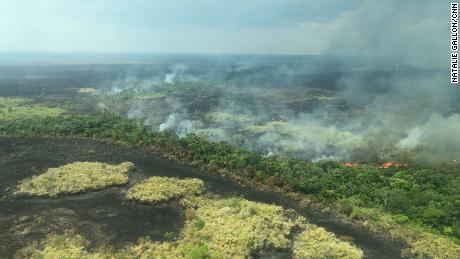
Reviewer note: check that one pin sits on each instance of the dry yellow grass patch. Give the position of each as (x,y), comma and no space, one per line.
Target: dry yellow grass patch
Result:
(74,178)
(225,228)
(161,189)
(316,242)
(237,228)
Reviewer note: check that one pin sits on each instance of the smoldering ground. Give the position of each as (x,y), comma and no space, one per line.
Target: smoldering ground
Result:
(382,93)
(406,115)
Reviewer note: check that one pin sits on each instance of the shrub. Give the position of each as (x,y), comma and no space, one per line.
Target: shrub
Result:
(74,178)
(346,206)
(222,228)
(401,218)
(69,245)
(199,224)
(431,246)
(364,213)
(161,189)
(236,227)
(318,243)
(199,251)
(227,228)
(250,244)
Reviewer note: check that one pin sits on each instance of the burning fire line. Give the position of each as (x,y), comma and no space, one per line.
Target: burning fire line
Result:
(392,164)
(384,165)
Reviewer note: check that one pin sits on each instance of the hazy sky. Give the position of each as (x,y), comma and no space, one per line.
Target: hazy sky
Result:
(242,26)
(216,26)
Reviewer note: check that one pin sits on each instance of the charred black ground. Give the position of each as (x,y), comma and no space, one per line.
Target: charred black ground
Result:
(105,216)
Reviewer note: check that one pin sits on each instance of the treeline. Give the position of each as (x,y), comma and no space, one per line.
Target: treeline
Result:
(428,196)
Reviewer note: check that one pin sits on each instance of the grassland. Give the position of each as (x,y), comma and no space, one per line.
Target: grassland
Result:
(318,243)
(21,108)
(75,178)
(226,228)
(161,189)
(216,228)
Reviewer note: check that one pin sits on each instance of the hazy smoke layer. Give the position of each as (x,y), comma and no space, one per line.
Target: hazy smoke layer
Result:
(384,95)
(412,33)
(410,116)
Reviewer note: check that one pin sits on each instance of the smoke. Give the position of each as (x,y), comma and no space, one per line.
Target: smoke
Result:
(412,140)
(414,113)
(411,34)
(384,94)
(157,77)
(131,82)
(169,79)
(308,140)
(408,117)
(163,114)
(181,126)
(434,140)
(137,110)
(175,70)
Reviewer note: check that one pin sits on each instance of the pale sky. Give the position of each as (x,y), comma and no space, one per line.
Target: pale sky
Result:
(235,26)
(223,26)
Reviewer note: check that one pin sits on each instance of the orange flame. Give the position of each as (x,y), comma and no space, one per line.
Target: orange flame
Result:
(393,164)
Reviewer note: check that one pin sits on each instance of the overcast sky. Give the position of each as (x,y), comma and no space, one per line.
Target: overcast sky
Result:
(216,26)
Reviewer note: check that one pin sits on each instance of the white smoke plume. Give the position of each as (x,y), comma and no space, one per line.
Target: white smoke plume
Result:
(175,70)
(181,126)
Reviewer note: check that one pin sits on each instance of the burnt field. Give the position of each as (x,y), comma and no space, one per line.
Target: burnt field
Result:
(106,217)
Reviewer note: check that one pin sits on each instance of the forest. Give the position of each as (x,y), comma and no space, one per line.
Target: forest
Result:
(420,200)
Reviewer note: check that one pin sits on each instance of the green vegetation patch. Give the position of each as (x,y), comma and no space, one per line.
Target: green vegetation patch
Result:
(161,189)
(422,242)
(316,242)
(238,228)
(20,108)
(225,228)
(74,178)
(428,245)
